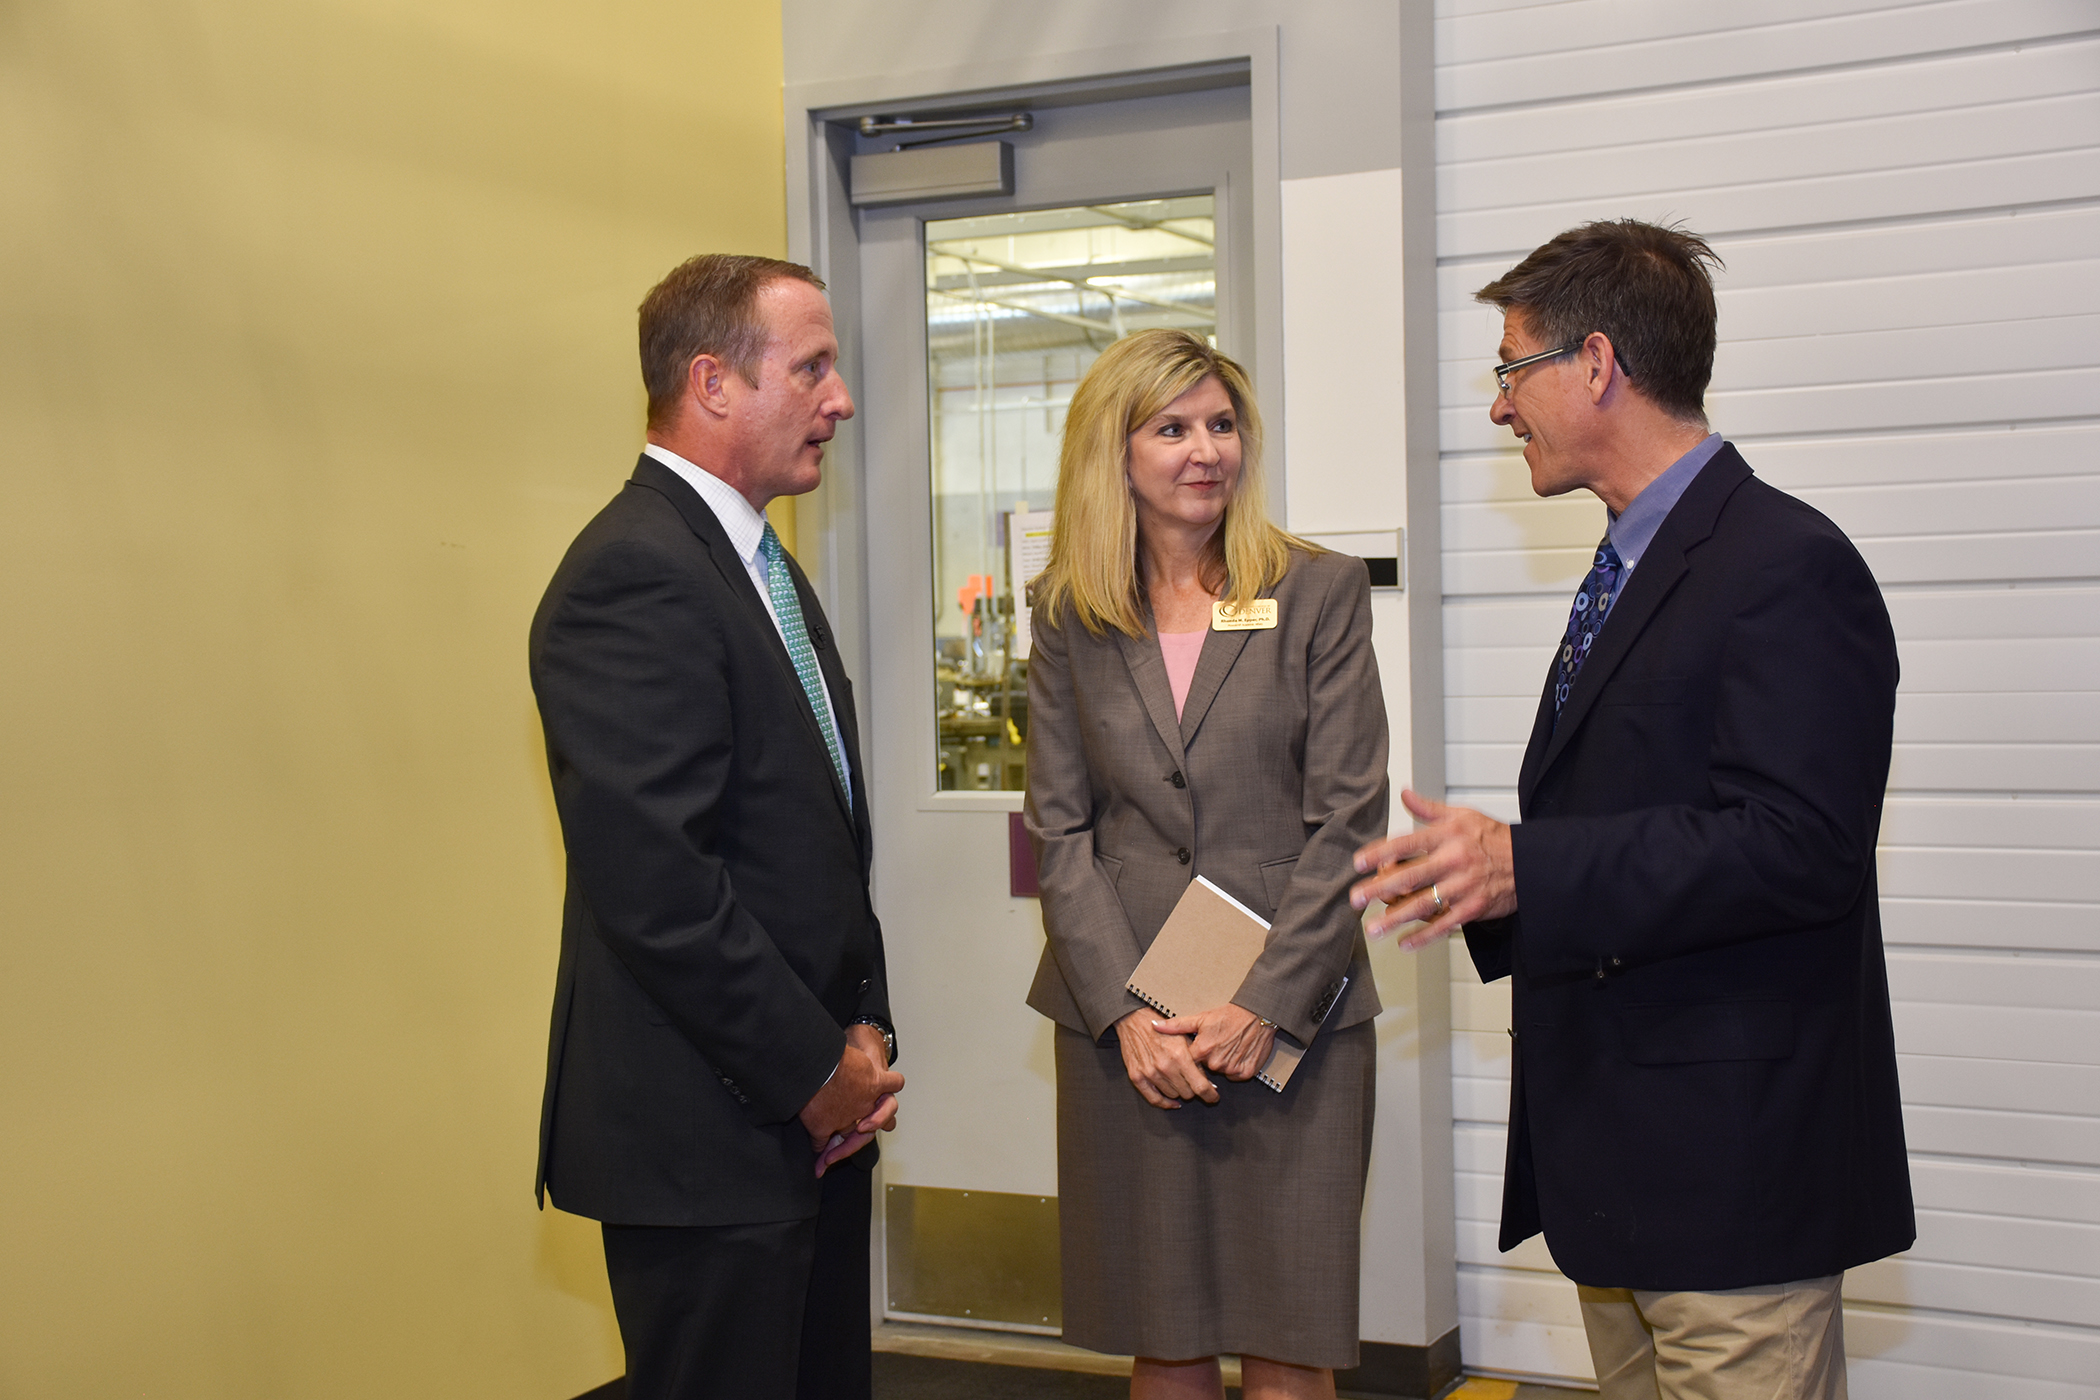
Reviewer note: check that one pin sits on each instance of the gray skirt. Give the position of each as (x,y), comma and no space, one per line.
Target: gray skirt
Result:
(1208,1230)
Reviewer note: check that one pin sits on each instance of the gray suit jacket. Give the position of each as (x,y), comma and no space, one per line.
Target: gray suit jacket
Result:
(1270,780)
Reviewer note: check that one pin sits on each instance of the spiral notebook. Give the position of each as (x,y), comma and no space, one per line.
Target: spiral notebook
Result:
(1199,959)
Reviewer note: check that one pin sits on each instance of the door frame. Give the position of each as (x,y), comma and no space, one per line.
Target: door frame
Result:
(823,233)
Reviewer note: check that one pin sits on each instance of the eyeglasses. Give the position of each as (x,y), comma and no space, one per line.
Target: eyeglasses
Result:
(1505,370)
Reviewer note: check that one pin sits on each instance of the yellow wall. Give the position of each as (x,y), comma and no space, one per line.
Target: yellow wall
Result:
(317,326)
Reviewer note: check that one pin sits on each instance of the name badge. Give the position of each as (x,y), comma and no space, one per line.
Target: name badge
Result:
(1258,616)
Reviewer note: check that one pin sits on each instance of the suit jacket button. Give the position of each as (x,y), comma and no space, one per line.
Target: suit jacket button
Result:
(1182,855)
(865,983)
(1177,780)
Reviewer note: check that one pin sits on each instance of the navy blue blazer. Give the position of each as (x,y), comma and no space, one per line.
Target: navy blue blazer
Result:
(1703,1090)
(718,932)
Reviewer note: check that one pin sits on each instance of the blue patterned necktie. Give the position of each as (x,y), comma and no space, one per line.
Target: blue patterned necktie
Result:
(780,586)
(1586,619)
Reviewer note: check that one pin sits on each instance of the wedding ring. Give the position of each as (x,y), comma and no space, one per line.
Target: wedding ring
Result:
(1440,905)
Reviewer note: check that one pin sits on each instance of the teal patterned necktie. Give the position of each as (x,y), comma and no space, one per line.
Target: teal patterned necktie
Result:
(780,585)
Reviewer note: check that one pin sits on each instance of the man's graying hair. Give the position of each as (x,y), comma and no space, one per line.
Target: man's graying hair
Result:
(707,306)
(1649,289)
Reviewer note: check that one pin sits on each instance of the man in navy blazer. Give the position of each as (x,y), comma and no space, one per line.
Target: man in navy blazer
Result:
(1704,1117)
(721,1037)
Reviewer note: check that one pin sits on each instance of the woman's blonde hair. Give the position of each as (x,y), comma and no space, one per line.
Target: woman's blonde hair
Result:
(1093,550)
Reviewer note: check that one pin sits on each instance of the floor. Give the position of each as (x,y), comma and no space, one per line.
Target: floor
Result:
(903,1377)
(947,1363)
(934,1378)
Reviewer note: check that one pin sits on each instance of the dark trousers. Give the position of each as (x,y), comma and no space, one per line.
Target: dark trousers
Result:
(776,1311)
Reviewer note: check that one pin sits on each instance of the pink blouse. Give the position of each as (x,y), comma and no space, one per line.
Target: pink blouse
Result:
(1180,651)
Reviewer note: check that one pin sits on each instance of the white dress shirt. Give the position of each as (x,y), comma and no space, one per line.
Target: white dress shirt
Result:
(746,529)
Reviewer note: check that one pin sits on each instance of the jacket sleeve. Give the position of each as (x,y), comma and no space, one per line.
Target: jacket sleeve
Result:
(1346,792)
(1803,705)
(1090,935)
(630,677)
(874,1003)
(1489,943)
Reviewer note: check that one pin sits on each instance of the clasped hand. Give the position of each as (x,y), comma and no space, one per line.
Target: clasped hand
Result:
(1166,1059)
(857,1102)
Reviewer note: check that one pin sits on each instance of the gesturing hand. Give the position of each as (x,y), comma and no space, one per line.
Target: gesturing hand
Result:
(1161,1067)
(1458,856)
(1229,1039)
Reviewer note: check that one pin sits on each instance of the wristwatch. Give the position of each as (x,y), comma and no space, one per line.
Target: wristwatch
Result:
(889,1037)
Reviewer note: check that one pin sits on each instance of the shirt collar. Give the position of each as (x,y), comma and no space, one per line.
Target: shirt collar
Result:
(1633,529)
(745,527)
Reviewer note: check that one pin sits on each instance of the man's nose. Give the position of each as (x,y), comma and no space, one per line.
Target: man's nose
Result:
(1499,411)
(839,406)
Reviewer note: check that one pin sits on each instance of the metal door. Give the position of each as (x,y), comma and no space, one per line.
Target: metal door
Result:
(970,1175)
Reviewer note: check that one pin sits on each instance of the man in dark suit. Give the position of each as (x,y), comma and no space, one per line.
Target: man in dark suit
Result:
(721,1034)
(1703,1109)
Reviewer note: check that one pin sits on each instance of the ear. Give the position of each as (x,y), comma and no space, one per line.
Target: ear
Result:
(706,385)
(1600,366)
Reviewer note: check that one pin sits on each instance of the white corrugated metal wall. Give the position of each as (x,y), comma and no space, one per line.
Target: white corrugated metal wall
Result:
(1908,200)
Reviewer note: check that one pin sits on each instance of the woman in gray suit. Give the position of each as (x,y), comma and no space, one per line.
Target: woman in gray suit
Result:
(1201,1211)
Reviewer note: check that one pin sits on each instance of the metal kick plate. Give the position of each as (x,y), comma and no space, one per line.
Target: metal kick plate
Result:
(973,1256)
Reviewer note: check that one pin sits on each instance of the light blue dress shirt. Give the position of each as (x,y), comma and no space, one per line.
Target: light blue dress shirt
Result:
(1633,529)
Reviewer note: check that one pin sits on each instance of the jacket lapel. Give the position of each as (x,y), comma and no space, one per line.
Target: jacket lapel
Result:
(1213,664)
(1535,750)
(1664,563)
(1148,670)
(701,520)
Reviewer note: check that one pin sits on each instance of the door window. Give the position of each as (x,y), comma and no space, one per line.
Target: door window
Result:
(1017,308)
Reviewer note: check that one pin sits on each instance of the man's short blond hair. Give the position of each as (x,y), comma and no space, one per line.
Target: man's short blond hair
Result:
(707,306)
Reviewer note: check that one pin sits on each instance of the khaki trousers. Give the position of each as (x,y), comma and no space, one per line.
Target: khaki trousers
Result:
(1781,1341)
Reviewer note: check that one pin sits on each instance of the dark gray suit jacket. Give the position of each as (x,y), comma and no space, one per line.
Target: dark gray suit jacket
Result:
(718,932)
(1272,777)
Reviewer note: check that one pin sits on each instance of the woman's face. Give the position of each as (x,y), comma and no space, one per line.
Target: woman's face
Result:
(1184,461)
